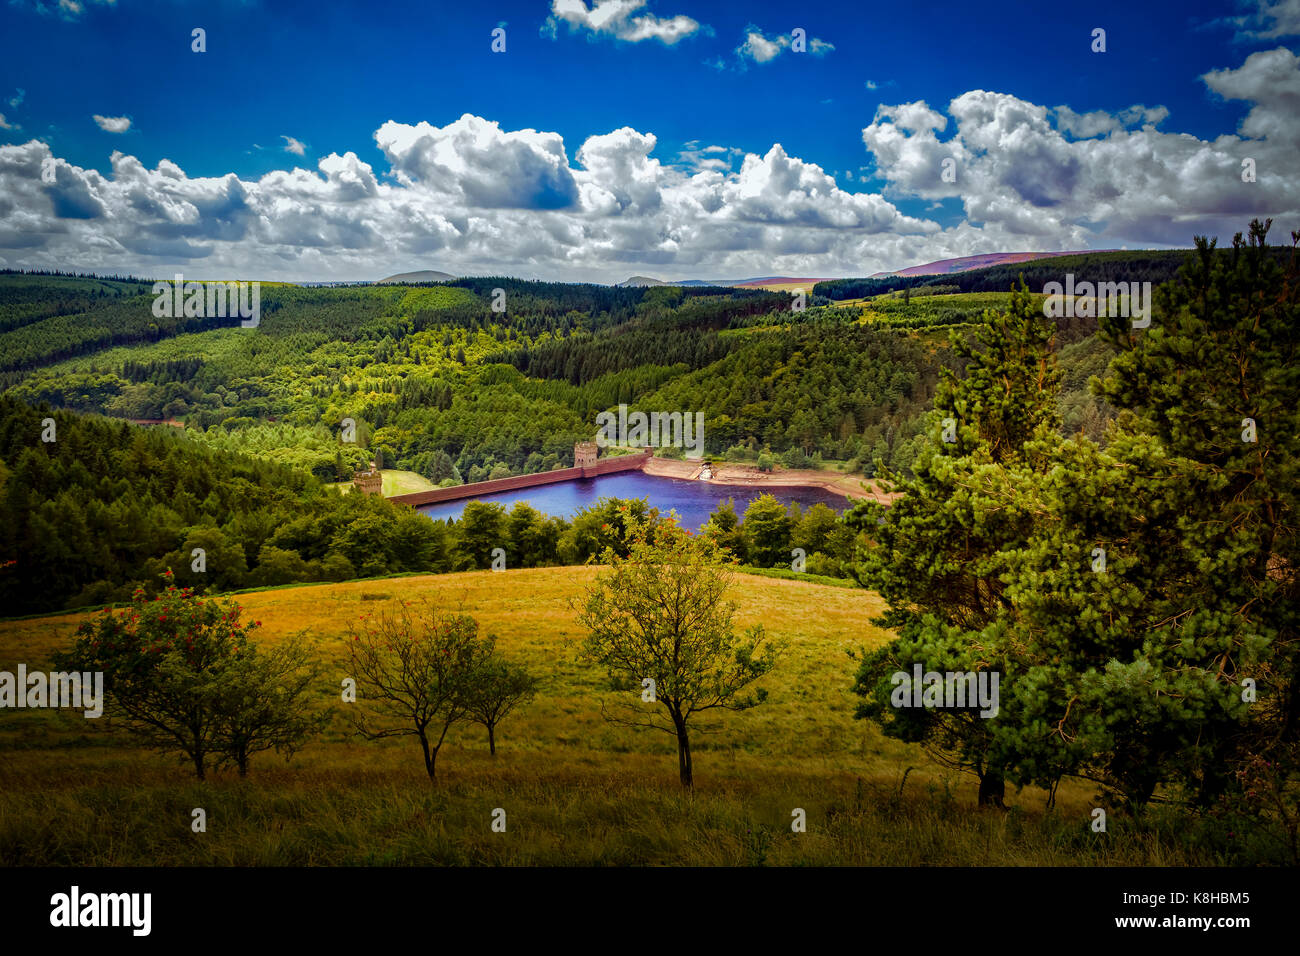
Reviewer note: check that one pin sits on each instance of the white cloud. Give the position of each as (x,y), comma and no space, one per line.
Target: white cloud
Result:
(470,197)
(764,49)
(68,10)
(778,188)
(620,177)
(1270,20)
(113,124)
(16,100)
(694,157)
(1097,122)
(1271,81)
(474,161)
(615,18)
(760,49)
(5,124)
(292,145)
(1091,179)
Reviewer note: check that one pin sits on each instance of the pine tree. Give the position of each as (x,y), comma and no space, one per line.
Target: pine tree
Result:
(937,551)
(1139,600)
(1216,383)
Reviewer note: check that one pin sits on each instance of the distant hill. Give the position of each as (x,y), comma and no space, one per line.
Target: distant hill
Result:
(758,282)
(777,283)
(635,281)
(965,263)
(789,283)
(428,275)
(1114,265)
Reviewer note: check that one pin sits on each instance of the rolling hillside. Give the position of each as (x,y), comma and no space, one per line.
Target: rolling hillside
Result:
(578,790)
(427,275)
(966,263)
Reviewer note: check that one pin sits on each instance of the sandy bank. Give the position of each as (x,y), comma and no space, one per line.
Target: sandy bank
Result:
(726,473)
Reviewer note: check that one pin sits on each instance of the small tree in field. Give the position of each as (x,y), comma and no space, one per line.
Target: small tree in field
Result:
(263,704)
(497,689)
(186,676)
(416,670)
(659,615)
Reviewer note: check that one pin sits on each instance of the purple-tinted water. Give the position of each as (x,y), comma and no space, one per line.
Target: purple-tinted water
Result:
(692,500)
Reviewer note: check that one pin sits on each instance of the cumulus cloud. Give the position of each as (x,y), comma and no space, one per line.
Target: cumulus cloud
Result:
(294,146)
(1092,179)
(113,124)
(474,161)
(781,189)
(1271,81)
(620,177)
(5,124)
(1098,122)
(470,197)
(619,19)
(16,100)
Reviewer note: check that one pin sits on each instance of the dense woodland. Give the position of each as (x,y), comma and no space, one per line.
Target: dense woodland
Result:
(106,507)
(439,383)
(1139,599)
(433,373)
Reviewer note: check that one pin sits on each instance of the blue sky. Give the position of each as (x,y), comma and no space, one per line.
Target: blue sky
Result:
(328,76)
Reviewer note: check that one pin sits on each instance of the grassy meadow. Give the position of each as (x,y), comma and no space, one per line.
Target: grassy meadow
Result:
(396,482)
(576,789)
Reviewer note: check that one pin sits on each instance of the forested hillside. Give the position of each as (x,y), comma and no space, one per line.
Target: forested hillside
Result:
(104,507)
(436,381)
(439,382)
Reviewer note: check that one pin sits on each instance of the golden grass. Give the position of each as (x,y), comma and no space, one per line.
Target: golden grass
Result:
(577,790)
(805,284)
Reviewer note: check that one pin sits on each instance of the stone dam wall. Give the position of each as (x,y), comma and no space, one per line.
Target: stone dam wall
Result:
(478,489)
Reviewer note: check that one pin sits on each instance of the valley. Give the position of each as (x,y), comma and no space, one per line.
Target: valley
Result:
(881,451)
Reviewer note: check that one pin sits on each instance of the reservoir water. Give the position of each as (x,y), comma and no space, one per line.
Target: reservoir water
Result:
(692,500)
